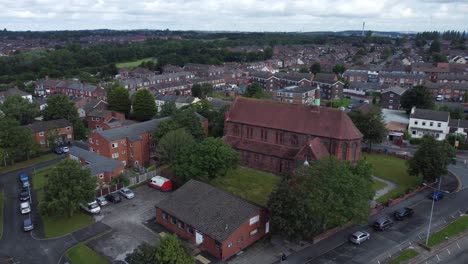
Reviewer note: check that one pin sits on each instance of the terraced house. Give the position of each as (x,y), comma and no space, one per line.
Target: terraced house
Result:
(73,88)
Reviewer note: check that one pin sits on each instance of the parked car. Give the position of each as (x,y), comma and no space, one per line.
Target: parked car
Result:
(113,198)
(402,213)
(439,97)
(436,196)
(359,237)
(65,149)
(25,208)
(161,183)
(24,194)
(92,207)
(58,150)
(383,223)
(24,179)
(101,201)
(28,224)
(127,193)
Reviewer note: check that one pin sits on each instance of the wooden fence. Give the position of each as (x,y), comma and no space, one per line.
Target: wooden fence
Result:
(133,180)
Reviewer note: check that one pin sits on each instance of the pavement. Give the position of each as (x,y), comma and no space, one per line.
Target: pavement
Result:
(23,247)
(390,186)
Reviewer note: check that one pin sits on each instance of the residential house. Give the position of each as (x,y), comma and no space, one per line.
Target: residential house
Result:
(402,79)
(296,95)
(453,78)
(183,87)
(103,168)
(391,97)
(216,221)
(428,122)
(267,80)
(14,91)
(356,75)
(451,91)
(458,126)
(106,119)
(330,87)
(59,130)
(179,100)
(458,59)
(69,87)
(86,105)
(215,81)
(294,78)
(278,137)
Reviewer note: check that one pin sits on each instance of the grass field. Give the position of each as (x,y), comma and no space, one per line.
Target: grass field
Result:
(27,163)
(392,169)
(378,185)
(455,228)
(54,226)
(1,214)
(82,254)
(251,185)
(134,64)
(406,255)
(39,178)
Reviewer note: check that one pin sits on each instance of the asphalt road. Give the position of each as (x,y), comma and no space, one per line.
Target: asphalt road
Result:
(456,253)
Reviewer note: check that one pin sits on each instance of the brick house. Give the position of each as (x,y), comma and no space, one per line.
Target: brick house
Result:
(266,79)
(69,87)
(105,119)
(329,85)
(294,78)
(14,91)
(103,168)
(86,105)
(218,222)
(61,129)
(391,97)
(278,137)
(453,91)
(296,95)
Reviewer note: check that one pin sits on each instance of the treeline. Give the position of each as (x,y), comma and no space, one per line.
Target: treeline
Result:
(456,38)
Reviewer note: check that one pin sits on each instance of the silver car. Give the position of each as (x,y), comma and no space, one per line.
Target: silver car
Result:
(127,193)
(359,237)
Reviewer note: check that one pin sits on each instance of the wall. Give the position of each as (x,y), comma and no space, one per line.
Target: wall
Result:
(421,130)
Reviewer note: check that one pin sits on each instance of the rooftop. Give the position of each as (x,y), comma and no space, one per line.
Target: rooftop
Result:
(40,126)
(97,163)
(430,114)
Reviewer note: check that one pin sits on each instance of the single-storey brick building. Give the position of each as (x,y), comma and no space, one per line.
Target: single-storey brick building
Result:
(218,222)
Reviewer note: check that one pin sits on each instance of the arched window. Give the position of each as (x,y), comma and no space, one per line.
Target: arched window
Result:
(344,151)
(236,130)
(354,147)
(333,147)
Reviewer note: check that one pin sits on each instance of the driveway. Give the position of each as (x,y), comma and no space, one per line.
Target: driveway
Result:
(127,219)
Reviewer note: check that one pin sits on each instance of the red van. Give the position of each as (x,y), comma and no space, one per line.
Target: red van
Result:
(161,183)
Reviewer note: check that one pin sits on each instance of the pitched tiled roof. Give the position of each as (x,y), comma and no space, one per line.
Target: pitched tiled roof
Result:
(458,123)
(210,210)
(97,163)
(132,131)
(310,120)
(325,78)
(99,113)
(395,89)
(430,115)
(40,126)
(262,147)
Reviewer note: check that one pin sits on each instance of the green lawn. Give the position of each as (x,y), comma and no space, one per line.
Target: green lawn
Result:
(406,255)
(54,227)
(134,64)
(378,185)
(251,185)
(455,228)
(392,169)
(39,178)
(82,254)
(27,163)
(1,214)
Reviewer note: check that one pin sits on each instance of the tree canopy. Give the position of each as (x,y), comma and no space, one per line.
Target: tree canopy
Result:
(322,196)
(16,107)
(255,90)
(171,145)
(371,124)
(143,254)
(119,100)
(170,250)
(182,118)
(15,141)
(431,159)
(205,161)
(202,90)
(315,68)
(167,109)
(144,106)
(339,69)
(418,96)
(67,185)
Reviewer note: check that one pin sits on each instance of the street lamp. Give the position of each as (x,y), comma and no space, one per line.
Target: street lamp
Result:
(432,208)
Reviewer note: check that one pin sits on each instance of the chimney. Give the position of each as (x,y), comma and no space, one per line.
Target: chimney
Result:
(317,96)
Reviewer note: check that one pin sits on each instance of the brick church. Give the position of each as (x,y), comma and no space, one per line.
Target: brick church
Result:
(278,137)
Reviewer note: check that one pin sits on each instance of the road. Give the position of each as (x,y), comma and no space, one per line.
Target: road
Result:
(455,253)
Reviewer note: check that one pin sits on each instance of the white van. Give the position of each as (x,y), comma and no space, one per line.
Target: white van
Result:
(92,207)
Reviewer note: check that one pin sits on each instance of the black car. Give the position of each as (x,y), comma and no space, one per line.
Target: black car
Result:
(24,194)
(113,198)
(382,224)
(403,213)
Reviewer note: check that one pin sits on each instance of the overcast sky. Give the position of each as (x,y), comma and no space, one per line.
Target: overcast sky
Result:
(235,15)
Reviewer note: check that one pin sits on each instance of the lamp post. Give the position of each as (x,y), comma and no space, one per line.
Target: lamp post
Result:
(432,209)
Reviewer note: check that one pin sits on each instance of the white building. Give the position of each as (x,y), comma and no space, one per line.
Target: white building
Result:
(428,122)
(15,91)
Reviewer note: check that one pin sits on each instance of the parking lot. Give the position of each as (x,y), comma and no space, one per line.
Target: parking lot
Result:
(127,220)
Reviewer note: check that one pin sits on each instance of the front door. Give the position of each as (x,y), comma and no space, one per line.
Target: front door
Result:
(198,238)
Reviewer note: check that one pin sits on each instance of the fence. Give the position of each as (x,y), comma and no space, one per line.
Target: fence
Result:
(133,180)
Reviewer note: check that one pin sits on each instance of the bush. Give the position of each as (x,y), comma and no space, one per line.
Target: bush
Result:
(415,141)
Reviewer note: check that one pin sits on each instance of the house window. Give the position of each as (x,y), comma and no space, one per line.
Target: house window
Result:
(254,220)
(97,141)
(414,132)
(190,230)
(431,123)
(344,151)
(115,145)
(264,134)
(68,128)
(390,101)
(91,149)
(101,176)
(41,134)
(115,155)
(253,232)
(153,145)
(240,239)
(439,124)
(181,225)
(354,147)
(123,151)
(218,246)
(69,136)
(91,140)
(391,95)
(423,123)
(164,215)
(230,245)
(279,137)
(415,122)
(294,141)
(236,130)
(173,220)
(249,132)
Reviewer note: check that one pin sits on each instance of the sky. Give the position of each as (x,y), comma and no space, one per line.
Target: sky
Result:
(235,15)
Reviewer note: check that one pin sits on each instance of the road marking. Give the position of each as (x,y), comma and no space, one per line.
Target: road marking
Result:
(437,257)
(458,246)
(449,251)
(378,261)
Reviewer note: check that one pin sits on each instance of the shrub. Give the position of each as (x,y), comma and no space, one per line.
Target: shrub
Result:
(415,141)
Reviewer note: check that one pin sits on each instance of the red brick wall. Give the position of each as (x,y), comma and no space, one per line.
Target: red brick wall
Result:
(63,133)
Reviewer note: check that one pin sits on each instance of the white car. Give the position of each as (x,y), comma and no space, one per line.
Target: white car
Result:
(101,201)
(127,193)
(25,208)
(359,237)
(65,149)
(91,207)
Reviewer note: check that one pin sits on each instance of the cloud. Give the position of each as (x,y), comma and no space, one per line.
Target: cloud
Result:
(244,15)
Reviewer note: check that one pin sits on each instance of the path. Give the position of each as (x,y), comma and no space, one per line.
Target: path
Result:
(390,186)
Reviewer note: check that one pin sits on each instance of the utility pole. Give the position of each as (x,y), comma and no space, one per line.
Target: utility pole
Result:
(432,210)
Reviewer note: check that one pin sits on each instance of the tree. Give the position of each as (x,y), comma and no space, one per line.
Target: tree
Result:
(16,107)
(168,109)
(143,254)
(182,118)
(206,160)
(322,196)
(202,90)
(254,90)
(435,46)
(456,113)
(144,106)
(304,70)
(439,57)
(371,124)
(67,185)
(431,159)
(171,144)
(465,97)
(418,96)
(119,100)
(315,68)
(339,69)
(170,250)
(15,141)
